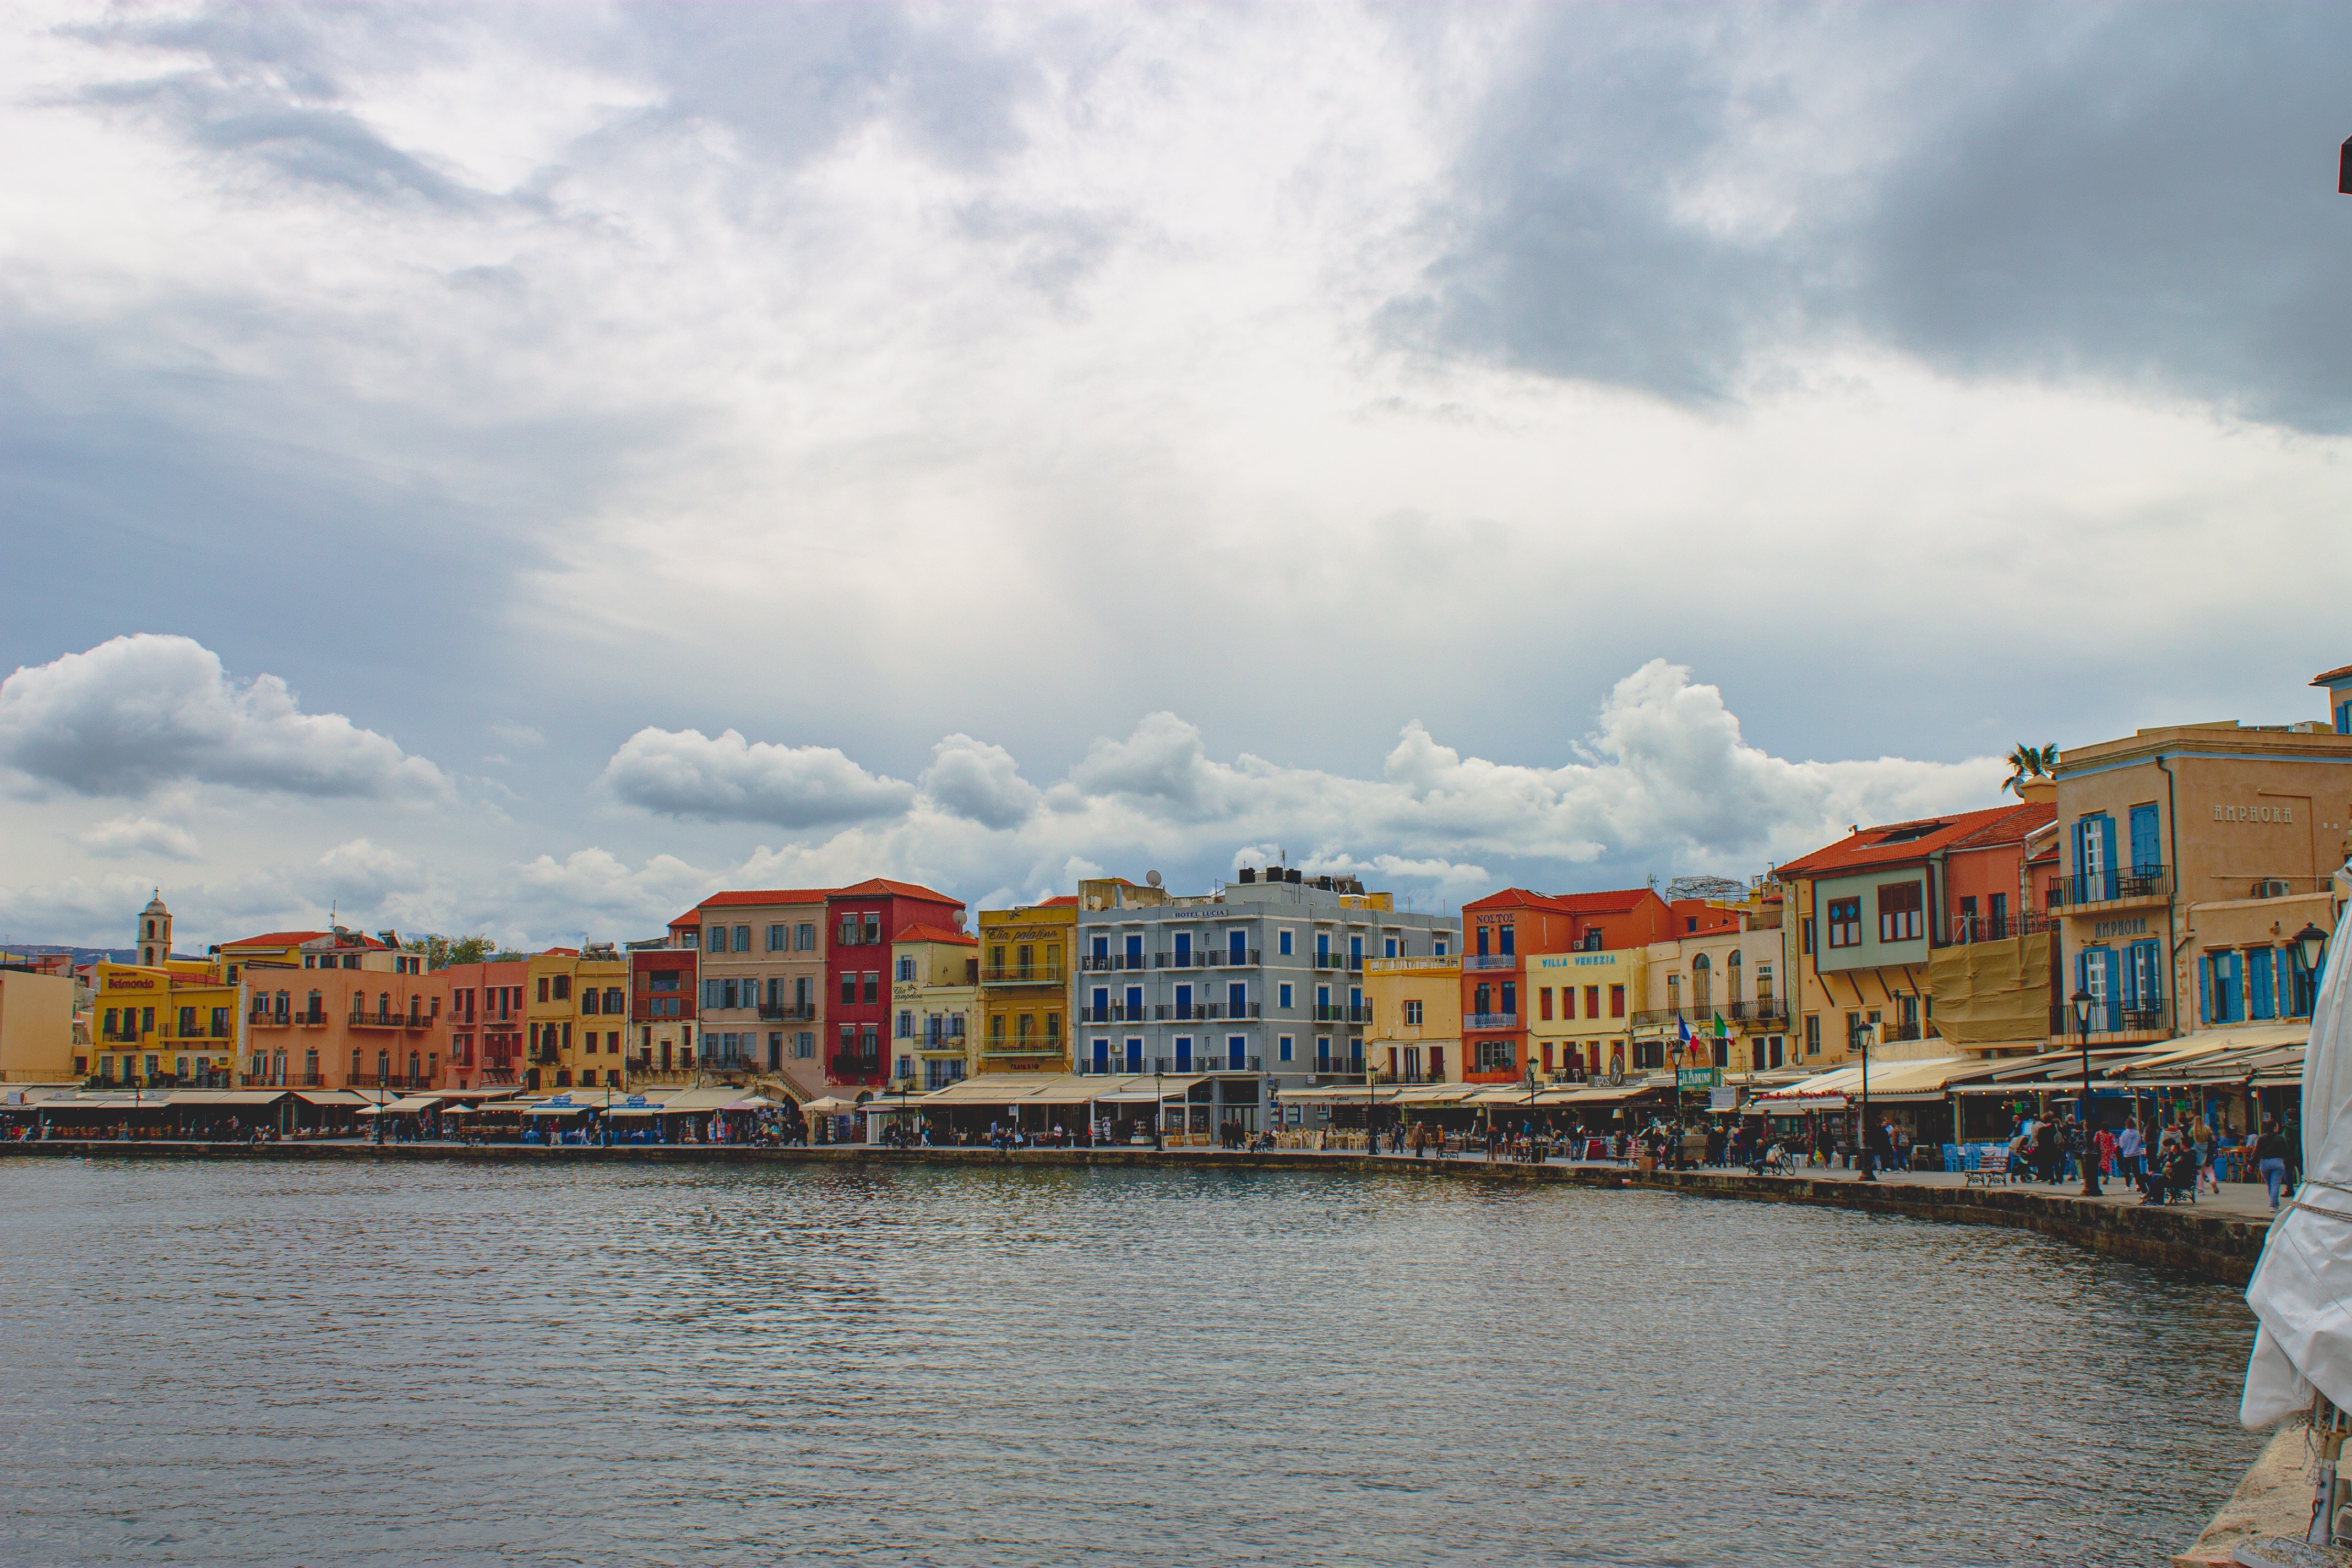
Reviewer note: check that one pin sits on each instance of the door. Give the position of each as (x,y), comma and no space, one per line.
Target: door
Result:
(1355,952)
(1237,1001)
(1183,949)
(1233,1049)
(1183,1002)
(2146,850)
(1236,948)
(1134,1056)
(1183,1053)
(1134,950)
(1102,1056)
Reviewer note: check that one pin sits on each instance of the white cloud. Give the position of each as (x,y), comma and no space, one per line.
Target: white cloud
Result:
(728,779)
(142,711)
(974,779)
(126,837)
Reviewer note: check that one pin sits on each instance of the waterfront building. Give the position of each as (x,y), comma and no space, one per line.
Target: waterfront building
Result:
(1026,985)
(1265,978)
(335,1008)
(1415,1032)
(935,990)
(1992,979)
(485,1006)
(37,1025)
(861,924)
(1720,978)
(1506,987)
(762,977)
(2193,856)
(665,990)
(1865,915)
(575,1012)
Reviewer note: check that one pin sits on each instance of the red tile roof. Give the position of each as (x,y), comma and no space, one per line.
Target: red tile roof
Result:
(1612,900)
(277,938)
(1899,843)
(2011,829)
(764,896)
(883,887)
(2324,676)
(1066,901)
(920,933)
(1516,898)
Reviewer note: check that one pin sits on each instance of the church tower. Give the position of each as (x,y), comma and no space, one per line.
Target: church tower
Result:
(155,932)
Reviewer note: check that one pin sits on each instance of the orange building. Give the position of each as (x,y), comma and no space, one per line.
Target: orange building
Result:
(1503,931)
(339,1009)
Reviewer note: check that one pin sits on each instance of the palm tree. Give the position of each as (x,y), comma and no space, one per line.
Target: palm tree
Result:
(2030,763)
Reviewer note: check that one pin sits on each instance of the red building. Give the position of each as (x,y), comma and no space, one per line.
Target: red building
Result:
(485,1024)
(1501,929)
(663,991)
(861,922)
(1989,892)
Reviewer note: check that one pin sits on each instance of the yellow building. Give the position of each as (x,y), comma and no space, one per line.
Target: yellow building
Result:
(1580,1009)
(37,1025)
(1025,987)
(934,1005)
(575,1018)
(157,1028)
(1415,1033)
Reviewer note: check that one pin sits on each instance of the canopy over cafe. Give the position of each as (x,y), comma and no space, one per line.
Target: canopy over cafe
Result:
(1192,1108)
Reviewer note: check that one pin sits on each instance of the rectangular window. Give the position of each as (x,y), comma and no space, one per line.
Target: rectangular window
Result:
(872,985)
(805,936)
(1510,996)
(1495,1056)
(906,969)
(1845,924)
(848,988)
(1616,1001)
(1812,1034)
(728,994)
(1543,1004)
(1441,948)
(1898,911)
(804,1045)
(1285,995)
(1388,947)
(1284,1044)
(718,939)
(1412,1014)
(778,938)
(742,938)
(1282,945)
(1805,930)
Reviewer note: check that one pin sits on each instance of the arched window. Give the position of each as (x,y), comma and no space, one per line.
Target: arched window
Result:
(312,1011)
(1702,986)
(383,1004)
(1734,961)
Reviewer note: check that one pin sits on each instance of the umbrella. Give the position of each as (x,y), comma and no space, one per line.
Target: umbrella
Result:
(2302,1286)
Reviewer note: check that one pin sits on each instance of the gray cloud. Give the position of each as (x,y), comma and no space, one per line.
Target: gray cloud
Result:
(979,780)
(2141,194)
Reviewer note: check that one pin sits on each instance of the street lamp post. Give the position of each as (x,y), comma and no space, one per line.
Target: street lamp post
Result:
(1159,1108)
(2310,943)
(2081,1001)
(1869,1155)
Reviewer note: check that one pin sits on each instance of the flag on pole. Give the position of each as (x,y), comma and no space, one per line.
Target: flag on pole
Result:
(1721,1028)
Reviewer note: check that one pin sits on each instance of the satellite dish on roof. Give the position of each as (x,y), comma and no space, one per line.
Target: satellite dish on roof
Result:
(1152,878)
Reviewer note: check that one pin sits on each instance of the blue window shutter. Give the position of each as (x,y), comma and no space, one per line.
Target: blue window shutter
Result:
(2204,990)
(2233,991)
(2147,843)
(2080,827)
(2113,961)
(2107,855)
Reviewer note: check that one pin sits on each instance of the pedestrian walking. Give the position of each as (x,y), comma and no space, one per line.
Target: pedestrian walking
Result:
(2270,1159)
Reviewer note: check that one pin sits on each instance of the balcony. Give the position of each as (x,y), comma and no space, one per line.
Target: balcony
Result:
(787,1012)
(1967,929)
(1491,961)
(1330,961)
(1023,1046)
(1021,974)
(1206,1062)
(1114,1014)
(1204,1012)
(855,1068)
(2108,889)
(1490,1021)
(2144,1016)
(1110,963)
(383,1020)
(1332,1013)
(1233,958)
(390,1081)
(1190,958)
(1762,1016)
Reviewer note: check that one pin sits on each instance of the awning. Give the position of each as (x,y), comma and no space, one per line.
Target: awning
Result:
(185,1097)
(1594,1096)
(329,1097)
(702,1099)
(558,1109)
(1337,1094)
(829,1105)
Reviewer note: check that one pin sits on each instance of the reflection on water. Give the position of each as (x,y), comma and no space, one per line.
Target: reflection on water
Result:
(418,1363)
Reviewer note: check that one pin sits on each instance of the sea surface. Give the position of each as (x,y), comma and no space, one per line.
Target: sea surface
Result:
(387,1365)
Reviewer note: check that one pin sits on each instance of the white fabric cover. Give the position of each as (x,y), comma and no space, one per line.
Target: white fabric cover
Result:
(2302,1288)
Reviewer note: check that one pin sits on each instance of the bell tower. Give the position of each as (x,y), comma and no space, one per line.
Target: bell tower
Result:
(155,932)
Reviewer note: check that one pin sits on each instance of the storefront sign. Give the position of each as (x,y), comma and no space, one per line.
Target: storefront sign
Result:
(2253,814)
(1698,1077)
(2136,926)
(1721,1099)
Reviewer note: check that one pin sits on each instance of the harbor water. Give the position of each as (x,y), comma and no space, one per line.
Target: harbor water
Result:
(226,1362)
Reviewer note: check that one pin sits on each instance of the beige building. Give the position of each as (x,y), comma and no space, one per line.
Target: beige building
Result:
(1415,1032)
(761,1008)
(934,1006)
(575,1018)
(2192,856)
(1726,985)
(36,1027)
(1582,1010)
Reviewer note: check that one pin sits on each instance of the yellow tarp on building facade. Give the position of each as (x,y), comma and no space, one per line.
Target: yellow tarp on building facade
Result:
(1992,993)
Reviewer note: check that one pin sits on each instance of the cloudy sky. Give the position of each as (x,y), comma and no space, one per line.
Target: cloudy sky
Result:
(521,468)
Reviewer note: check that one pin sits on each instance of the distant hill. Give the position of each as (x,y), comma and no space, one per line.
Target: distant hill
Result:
(82,954)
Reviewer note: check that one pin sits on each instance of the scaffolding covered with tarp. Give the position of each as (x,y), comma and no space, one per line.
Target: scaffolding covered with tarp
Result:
(1992,994)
